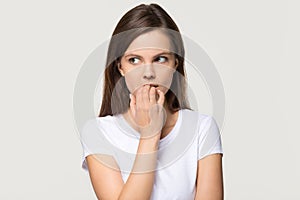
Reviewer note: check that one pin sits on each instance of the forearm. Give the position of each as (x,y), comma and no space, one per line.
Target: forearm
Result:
(140,181)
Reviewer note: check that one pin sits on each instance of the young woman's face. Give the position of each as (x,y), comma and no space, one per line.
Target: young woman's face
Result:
(148,60)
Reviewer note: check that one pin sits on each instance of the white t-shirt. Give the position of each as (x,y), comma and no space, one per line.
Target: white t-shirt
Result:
(193,137)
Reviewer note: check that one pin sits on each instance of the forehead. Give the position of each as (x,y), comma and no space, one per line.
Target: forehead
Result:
(154,40)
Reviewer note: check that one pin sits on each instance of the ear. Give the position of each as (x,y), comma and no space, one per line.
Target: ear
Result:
(120,69)
(176,62)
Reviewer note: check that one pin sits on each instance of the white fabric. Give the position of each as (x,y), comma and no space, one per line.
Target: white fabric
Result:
(193,137)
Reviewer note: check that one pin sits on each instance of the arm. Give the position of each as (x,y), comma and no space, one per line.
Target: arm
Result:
(108,183)
(209,185)
(140,185)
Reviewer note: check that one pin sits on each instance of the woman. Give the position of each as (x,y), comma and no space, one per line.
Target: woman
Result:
(168,150)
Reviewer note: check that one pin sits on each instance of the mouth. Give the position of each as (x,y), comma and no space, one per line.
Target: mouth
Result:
(152,85)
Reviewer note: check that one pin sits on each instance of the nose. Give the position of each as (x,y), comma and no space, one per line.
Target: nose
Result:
(149,72)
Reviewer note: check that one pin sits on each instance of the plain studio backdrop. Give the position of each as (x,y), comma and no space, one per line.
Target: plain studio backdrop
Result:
(253,44)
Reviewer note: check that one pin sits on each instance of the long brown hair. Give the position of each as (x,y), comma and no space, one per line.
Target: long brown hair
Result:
(141,19)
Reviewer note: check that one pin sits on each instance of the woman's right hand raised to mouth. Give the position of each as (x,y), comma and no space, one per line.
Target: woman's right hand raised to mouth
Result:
(148,113)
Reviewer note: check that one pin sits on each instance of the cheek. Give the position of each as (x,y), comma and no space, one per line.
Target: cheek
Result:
(133,80)
(167,79)
(165,76)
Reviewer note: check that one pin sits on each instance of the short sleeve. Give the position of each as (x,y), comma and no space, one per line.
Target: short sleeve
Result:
(209,140)
(93,141)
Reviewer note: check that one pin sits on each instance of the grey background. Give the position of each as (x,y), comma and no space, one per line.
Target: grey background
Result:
(254,45)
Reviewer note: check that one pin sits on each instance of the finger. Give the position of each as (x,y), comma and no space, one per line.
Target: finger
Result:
(161,98)
(132,99)
(132,104)
(139,100)
(146,96)
(152,96)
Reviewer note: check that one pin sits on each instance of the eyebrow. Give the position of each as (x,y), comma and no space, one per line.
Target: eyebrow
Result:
(162,53)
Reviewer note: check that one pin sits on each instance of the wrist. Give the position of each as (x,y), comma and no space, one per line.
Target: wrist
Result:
(150,137)
(149,144)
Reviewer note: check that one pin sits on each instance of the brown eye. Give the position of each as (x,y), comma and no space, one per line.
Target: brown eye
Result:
(134,60)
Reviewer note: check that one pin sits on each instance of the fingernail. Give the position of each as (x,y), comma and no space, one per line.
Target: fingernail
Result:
(129,96)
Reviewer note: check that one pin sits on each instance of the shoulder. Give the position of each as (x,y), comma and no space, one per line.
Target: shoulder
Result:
(95,125)
(204,122)
(106,121)
(202,118)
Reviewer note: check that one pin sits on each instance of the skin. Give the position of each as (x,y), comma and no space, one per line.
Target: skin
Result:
(140,66)
(149,58)
(209,185)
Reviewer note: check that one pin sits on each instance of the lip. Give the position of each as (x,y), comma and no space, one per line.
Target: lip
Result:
(152,85)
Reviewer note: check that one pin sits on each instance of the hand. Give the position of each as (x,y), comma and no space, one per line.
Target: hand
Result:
(147,112)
